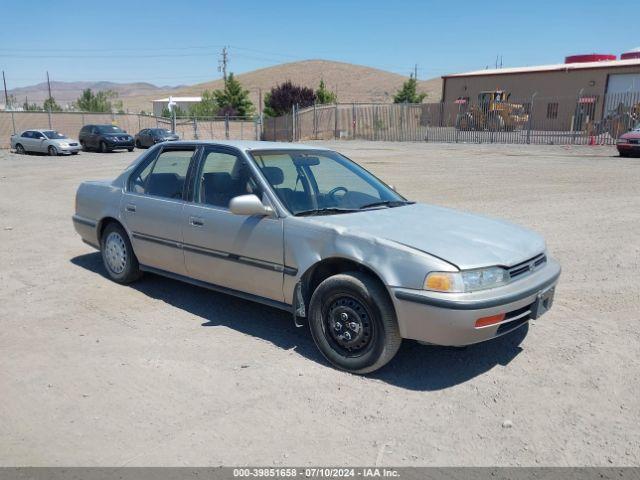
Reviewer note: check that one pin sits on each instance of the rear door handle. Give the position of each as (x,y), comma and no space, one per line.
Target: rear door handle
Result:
(196,221)
(130,207)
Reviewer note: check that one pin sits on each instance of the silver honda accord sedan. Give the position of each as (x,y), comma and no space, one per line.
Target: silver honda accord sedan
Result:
(307,230)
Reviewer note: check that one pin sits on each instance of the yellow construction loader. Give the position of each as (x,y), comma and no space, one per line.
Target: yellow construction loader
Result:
(493,112)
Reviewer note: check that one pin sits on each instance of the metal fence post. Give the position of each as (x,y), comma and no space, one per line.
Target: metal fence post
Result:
(335,123)
(195,128)
(533,97)
(226,126)
(315,122)
(353,120)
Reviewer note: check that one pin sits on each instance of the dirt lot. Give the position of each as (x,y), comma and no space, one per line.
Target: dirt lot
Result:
(160,373)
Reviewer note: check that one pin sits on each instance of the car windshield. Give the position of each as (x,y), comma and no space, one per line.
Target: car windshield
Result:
(53,135)
(322,182)
(160,131)
(109,129)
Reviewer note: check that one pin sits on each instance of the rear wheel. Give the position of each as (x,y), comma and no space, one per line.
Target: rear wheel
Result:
(353,322)
(117,255)
(52,151)
(20,149)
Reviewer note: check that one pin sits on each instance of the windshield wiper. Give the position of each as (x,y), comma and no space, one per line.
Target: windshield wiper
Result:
(324,211)
(387,203)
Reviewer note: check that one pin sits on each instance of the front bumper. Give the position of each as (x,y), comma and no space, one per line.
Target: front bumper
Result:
(69,149)
(628,147)
(120,144)
(450,318)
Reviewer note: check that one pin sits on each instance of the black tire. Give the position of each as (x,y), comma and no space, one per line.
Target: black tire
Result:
(130,149)
(84,146)
(354,298)
(103,147)
(74,153)
(138,144)
(52,151)
(624,154)
(127,269)
(20,149)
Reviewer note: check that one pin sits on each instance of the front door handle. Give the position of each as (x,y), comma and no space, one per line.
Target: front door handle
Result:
(196,221)
(130,207)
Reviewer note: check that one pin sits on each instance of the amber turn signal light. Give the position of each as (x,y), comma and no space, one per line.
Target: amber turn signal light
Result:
(486,321)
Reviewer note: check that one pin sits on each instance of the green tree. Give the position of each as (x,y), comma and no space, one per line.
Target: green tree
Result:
(50,105)
(232,100)
(30,107)
(324,96)
(179,112)
(96,102)
(408,94)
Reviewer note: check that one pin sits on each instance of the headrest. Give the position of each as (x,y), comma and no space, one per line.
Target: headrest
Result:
(217,181)
(274,175)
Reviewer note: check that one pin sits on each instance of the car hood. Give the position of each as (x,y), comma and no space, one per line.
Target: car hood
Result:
(463,239)
(631,134)
(63,140)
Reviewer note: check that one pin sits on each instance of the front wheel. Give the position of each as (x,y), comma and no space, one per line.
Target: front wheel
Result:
(117,255)
(353,322)
(130,149)
(52,151)
(103,147)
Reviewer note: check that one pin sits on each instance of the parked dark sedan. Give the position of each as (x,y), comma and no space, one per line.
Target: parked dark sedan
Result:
(105,138)
(148,137)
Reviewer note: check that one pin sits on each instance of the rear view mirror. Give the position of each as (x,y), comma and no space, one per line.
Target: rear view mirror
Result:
(305,161)
(249,205)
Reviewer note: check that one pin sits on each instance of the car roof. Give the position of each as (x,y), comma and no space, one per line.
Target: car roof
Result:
(248,145)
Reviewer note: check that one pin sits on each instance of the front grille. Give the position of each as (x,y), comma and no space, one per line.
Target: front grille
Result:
(527,267)
(634,140)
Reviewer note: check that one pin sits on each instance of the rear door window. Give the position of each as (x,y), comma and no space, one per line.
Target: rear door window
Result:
(165,176)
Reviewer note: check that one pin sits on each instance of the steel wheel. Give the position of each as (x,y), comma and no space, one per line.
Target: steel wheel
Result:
(20,149)
(347,325)
(115,252)
(52,151)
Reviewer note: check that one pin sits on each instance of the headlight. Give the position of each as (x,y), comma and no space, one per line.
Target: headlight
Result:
(64,144)
(466,280)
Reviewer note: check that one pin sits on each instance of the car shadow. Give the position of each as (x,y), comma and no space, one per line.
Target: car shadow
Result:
(415,367)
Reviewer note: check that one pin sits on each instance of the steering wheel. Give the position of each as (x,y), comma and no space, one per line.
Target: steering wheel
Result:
(333,191)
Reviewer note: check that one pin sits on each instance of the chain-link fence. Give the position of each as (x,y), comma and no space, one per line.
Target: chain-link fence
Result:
(70,123)
(492,119)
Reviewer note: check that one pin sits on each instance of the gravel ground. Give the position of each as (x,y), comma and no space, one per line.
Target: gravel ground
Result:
(160,373)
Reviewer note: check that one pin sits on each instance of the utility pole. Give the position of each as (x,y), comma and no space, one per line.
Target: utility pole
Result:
(6,95)
(49,87)
(415,71)
(222,63)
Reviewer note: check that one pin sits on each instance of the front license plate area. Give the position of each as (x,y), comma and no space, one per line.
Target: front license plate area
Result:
(543,302)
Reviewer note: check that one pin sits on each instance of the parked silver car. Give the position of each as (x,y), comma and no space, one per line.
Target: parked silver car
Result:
(44,141)
(307,230)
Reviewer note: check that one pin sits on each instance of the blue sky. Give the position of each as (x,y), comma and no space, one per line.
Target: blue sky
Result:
(178,42)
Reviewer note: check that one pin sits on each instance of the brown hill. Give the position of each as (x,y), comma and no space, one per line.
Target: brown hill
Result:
(353,83)
(65,93)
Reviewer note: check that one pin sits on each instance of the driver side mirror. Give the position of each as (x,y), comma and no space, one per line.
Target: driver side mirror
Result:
(249,205)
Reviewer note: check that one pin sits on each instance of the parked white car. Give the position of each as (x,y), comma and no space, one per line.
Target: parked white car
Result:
(44,141)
